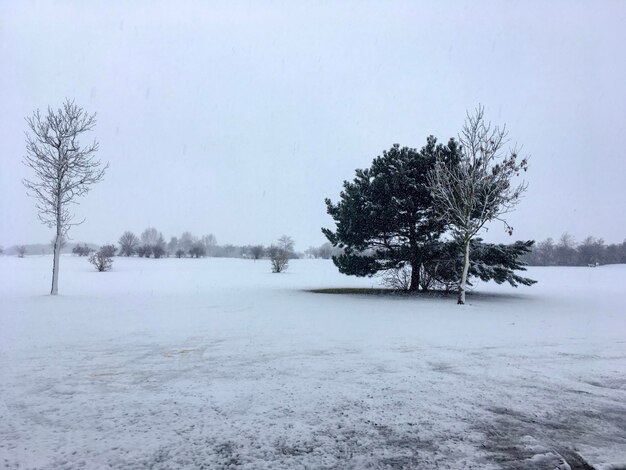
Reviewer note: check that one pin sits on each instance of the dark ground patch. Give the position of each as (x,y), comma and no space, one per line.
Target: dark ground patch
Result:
(515,440)
(379,291)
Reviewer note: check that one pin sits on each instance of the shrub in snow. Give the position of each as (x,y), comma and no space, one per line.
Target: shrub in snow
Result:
(21,251)
(101,261)
(144,251)
(278,258)
(279,263)
(158,251)
(180,253)
(256,251)
(398,279)
(197,250)
(81,250)
(280,253)
(108,250)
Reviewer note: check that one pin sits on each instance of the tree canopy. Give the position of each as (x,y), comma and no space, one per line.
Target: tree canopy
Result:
(384,218)
(385,221)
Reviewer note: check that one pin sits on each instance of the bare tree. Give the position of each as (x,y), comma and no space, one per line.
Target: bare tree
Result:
(21,251)
(591,251)
(63,169)
(83,250)
(197,250)
(324,251)
(158,249)
(150,236)
(256,251)
(565,251)
(186,241)
(144,251)
(479,188)
(128,243)
(108,250)
(152,243)
(172,246)
(286,244)
(210,242)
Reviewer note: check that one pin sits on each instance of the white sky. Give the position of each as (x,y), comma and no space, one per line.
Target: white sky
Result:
(239,118)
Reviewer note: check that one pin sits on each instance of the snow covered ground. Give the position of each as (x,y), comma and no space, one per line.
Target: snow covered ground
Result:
(217,363)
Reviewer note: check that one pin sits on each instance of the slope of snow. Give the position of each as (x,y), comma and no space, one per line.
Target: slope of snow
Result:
(218,363)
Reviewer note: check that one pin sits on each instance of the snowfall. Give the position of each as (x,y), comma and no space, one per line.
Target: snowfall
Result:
(218,363)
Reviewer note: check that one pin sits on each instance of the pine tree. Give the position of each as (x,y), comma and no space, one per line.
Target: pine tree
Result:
(384,219)
(498,262)
(489,262)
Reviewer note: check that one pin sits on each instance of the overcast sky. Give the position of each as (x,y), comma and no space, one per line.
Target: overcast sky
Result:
(238,119)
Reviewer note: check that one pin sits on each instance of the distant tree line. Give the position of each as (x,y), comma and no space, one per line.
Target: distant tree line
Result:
(82,250)
(46,248)
(152,244)
(324,251)
(566,252)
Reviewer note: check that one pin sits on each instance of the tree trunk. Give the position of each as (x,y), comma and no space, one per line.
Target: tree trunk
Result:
(415,260)
(57,244)
(55,263)
(415,276)
(466,263)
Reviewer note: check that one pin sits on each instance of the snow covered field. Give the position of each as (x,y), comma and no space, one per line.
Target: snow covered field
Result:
(217,363)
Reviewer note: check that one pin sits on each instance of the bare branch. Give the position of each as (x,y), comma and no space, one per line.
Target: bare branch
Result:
(479,189)
(63,170)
